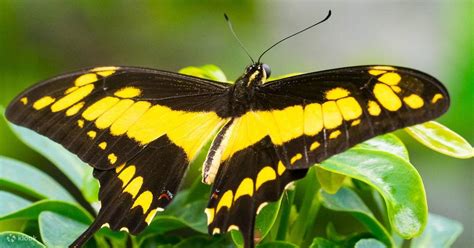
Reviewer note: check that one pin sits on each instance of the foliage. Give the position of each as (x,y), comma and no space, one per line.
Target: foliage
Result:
(368,196)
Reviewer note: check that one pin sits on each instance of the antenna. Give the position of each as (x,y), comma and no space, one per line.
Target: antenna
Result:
(237,38)
(301,31)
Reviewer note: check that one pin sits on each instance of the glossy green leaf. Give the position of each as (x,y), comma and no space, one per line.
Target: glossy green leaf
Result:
(307,205)
(346,200)
(263,223)
(330,182)
(324,243)
(210,71)
(68,163)
(396,180)
(64,208)
(387,142)
(57,230)
(440,232)
(369,243)
(192,214)
(441,139)
(18,240)
(11,203)
(30,180)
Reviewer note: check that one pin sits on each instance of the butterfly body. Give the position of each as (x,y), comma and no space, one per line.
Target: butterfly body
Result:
(140,128)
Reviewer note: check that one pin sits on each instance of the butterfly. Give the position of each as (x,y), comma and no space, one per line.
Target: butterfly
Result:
(140,129)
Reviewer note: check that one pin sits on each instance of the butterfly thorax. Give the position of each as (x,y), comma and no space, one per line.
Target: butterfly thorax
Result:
(243,91)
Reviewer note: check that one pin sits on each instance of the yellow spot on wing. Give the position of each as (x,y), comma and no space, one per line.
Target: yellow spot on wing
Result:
(387,97)
(103,145)
(210,215)
(105,68)
(134,186)
(91,134)
(99,107)
(112,158)
(69,90)
(105,71)
(232,227)
(144,200)
(335,134)
(384,67)
(414,101)
(74,109)
(336,93)
(80,123)
(150,216)
(129,117)
(43,102)
(374,108)
(127,174)
(225,201)
(314,146)
(112,114)
(350,108)
(128,92)
(390,78)
(355,123)
(245,188)
(24,100)
(313,119)
(119,168)
(436,97)
(85,79)
(396,89)
(376,72)
(216,230)
(72,98)
(281,168)
(331,115)
(265,175)
(295,158)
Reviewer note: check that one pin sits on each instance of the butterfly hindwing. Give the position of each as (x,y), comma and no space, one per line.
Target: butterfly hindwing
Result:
(313,116)
(107,115)
(131,194)
(244,184)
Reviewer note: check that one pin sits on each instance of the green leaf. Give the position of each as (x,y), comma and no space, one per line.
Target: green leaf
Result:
(396,180)
(277,244)
(441,139)
(330,182)
(18,240)
(369,243)
(68,163)
(387,142)
(64,208)
(31,181)
(57,230)
(346,200)
(11,203)
(211,72)
(439,233)
(263,223)
(323,243)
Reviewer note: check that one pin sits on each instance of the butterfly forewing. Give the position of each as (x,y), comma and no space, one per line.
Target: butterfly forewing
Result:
(107,115)
(313,116)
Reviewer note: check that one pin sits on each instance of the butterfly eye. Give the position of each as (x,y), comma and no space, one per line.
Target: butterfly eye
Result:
(267,70)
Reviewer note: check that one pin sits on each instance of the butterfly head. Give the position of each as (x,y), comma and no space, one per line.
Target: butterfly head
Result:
(256,73)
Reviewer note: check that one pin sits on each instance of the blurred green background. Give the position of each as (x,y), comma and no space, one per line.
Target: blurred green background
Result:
(40,39)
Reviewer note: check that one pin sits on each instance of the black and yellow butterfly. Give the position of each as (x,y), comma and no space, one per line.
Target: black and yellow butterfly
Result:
(140,128)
